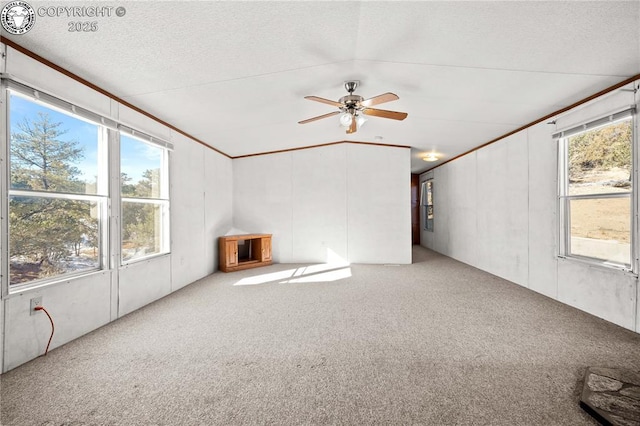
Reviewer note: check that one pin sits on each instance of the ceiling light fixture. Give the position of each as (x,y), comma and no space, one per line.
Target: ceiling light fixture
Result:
(430,157)
(345,119)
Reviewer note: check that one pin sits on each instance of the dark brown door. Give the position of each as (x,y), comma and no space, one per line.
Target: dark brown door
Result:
(415,209)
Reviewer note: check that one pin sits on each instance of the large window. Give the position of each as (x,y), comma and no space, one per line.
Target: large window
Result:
(426,200)
(57,192)
(145,198)
(59,200)
(596,190)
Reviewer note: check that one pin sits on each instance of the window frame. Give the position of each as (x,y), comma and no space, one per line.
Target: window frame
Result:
(100,198)
(164,200)
(564,198)
(107,196)
(425,188)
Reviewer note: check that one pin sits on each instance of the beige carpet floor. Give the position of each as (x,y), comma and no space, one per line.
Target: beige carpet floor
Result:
(434,343)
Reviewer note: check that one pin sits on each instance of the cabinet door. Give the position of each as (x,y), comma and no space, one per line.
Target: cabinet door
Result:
(231,250)
(266,249)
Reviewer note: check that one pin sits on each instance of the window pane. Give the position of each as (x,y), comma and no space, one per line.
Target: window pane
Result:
(50,236)
(141,229)
(141,169)
(423,194)
(601,228)
(52,151)
(600,160)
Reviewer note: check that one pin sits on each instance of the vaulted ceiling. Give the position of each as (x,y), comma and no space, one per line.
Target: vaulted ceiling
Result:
(234,74)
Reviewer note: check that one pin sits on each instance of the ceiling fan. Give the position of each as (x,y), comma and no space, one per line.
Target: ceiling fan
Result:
(353,107)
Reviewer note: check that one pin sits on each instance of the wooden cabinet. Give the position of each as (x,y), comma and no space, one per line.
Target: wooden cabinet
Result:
(266,249)
(244,251)
(231,253)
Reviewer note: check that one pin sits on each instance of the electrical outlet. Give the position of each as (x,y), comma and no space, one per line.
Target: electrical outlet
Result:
(36,301)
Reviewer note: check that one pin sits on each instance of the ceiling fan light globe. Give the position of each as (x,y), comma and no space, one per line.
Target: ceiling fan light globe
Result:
(361,120)
(345,119)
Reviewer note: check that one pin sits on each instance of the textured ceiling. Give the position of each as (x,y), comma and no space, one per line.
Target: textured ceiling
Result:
(234,74)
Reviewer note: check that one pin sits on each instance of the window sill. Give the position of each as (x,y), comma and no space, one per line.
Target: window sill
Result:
(20,290)
(139,260)
(600,264)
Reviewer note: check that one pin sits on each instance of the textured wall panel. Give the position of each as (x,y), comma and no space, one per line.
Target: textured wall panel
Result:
(319,219)
(187,212)
(143,282)
(218,204)
(262,200)
(77,307)
(379,204)
(543,224)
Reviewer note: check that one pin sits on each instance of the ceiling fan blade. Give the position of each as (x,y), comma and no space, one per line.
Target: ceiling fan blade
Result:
(324,101)
(309,120)
(353,127)
(385,97)
(394,115)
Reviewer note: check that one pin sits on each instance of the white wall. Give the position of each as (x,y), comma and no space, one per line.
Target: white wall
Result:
(77,306)
(542,216)
(187,213)
(378,204)
(201,187)
(218,203)
(502,186)
(496,209)
(349,200)
(262,200)
(143,282)
(201,209)
(462,230)
(319,203)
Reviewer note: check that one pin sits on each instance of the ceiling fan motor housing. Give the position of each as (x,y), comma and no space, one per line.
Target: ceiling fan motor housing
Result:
(351,102)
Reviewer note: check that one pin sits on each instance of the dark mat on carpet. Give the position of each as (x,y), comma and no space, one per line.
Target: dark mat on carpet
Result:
(612,396)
